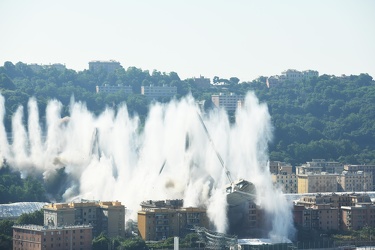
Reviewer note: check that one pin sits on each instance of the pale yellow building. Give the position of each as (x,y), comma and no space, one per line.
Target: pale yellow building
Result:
(317,183)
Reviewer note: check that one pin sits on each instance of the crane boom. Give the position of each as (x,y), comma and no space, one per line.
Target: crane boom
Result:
(213,146)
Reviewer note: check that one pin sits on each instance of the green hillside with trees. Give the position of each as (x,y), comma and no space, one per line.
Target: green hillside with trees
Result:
(325,117)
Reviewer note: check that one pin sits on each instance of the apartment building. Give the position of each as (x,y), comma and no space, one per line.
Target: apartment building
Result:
(230,102)
(107,66)
(34,237)
(286,182)
(158,223)
(317,183)
(106,88)
(107,217)
(320,165)
(291,75)
(355,181)
(358,216)
(321,217)
(283,177)
(295,75)
(156,92)
(278,167)
(334,211)
(364,168)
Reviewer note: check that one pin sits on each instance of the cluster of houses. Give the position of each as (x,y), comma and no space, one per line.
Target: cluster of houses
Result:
(319,205)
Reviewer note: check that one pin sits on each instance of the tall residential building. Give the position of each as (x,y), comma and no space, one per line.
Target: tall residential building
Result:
(321,217)
(278,167)
(283,177)
(156,92)
(106,88)
(334,199)
(358,216)
(107,66)
(107,217)
(291,75)
(286,182)
(317,183)
(364,168)
(320,165)
(157,221)
(355,181)
(34,237)
(228,101)
(335,211)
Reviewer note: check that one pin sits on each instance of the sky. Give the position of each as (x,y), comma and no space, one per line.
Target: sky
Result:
(225,38)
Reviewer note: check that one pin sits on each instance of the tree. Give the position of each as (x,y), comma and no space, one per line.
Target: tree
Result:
(234,80)
(35,218)
(6,82)
(134,244)
(101,242)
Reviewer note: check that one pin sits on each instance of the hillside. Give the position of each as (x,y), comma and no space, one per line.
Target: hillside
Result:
(326,117)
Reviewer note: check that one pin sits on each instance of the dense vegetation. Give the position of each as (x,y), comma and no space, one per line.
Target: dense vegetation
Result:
(6,231)
(324,117)
(13,188)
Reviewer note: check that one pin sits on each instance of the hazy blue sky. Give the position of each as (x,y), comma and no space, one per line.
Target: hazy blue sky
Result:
(241,38)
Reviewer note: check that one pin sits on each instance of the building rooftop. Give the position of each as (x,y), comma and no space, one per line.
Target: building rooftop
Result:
(47,228)
(16,209)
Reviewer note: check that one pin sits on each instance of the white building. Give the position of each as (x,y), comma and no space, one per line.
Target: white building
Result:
(106,88)
(229,102)
(155,92)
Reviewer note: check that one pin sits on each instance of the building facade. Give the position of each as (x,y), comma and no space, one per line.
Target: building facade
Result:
(335,211)
(364,168)
(291,75)
(156,92)
(320,165)
(317,183)
(355,181)
(228,101)
(114,88)
(34,237)
(161,223)
(107,217)
(286,182)
(321,217)
(358,216)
